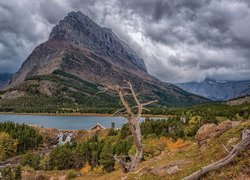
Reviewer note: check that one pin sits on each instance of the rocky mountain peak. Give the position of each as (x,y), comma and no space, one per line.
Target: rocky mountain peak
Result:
(79,29)
(80,57)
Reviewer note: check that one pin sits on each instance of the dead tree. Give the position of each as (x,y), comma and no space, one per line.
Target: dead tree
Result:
(133,115)
(241,146)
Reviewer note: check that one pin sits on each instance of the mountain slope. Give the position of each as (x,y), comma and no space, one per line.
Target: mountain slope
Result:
(79,50)
(218,90)
(4,79)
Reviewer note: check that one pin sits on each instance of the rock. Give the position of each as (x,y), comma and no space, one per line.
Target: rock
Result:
(224,126)
(13,94)
(173,170)
(207,131)
(80,29)
(239,101)
(235,123)
(165,170)
(46,87)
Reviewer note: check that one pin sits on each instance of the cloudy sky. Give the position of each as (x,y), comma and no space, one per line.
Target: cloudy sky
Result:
(179,40)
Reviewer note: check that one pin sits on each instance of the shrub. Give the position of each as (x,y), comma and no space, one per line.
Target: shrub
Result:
(32,160)
(71,174)
(28,137)
(8,146)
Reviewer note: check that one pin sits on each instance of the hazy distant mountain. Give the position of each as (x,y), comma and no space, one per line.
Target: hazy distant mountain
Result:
(4,79)
(79,58)
(217,90)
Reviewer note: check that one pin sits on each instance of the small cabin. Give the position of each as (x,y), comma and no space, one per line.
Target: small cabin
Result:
(97,127)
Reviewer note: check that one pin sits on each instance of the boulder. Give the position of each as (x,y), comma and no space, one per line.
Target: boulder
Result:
(225,126)
(208,131)
(165,170)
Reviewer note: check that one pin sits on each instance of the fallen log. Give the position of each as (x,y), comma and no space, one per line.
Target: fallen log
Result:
(242,145)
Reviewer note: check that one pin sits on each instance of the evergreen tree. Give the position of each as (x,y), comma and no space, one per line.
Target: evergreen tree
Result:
(106,159)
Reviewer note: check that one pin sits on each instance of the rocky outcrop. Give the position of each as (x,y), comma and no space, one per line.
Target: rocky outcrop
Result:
(166,170)
(224,126)
(239,101)
(81,30)
(208,131)
(13,94)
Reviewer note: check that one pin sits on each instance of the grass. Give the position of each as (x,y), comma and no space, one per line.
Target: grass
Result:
(192,158)
(189,157)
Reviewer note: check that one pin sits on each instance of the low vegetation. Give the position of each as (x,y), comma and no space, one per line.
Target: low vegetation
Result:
(18,138)
(164,142)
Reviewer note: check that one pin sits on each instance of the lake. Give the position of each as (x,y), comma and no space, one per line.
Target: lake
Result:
(64,122)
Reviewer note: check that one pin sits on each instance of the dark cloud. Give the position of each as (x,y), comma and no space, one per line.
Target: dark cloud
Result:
(181,40)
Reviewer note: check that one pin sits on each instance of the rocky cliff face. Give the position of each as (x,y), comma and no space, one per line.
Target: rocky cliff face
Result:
(77,35)
(79,48)
(81,30)
(218,90)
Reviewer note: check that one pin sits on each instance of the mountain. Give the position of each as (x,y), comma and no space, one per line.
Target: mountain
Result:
(217,90)
(4,79)
(78,59)
(238,101)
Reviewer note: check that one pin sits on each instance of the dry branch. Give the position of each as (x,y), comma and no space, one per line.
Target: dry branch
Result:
(241,146)
(133,122)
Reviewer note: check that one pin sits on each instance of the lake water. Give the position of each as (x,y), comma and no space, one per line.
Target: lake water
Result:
(64,122)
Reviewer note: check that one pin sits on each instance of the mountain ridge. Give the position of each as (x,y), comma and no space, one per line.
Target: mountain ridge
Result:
(81,50)
(218,89)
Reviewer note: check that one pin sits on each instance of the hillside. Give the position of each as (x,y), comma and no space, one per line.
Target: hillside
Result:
(78,59)
(164,158)
(238,101)
(217,90)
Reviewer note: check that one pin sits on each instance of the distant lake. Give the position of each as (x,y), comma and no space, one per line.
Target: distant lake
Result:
(64,122)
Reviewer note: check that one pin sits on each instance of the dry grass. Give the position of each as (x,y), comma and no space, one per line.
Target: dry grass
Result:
(189,158)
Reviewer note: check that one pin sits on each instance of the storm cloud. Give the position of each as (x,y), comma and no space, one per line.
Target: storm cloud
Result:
(180,41)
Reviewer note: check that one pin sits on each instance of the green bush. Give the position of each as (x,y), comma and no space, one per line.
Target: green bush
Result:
(71,174)
(8,146)
(28,137)
(32,160)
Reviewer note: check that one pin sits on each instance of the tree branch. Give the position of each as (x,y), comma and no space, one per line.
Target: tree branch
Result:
(242,145)
(150,102)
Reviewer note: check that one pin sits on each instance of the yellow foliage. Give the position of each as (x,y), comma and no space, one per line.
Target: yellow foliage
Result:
(195,120)
(8,146)
(98,170)
(179,144)
(86,168)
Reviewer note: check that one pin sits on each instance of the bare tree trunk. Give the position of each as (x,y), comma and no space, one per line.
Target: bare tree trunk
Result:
(133,122)
(136,132)
(242,145)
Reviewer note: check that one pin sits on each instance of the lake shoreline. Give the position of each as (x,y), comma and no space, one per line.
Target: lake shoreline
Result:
(74,114)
